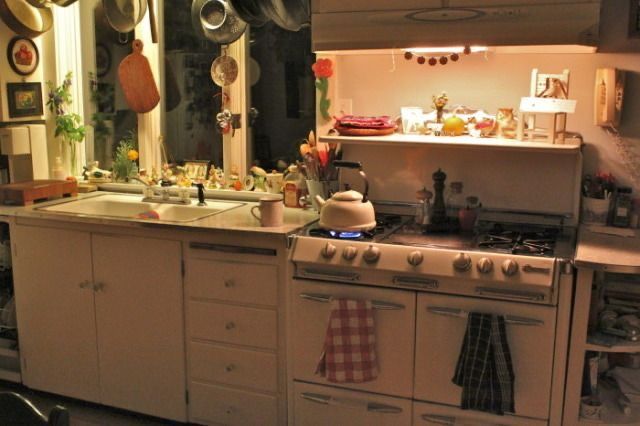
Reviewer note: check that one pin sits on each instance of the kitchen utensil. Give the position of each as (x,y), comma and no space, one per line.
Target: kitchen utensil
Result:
(271,211)
(153,22)
(220,22)
(347,211)
(224,70)
(250,12)
(136,79)
(25,19)
(124,15)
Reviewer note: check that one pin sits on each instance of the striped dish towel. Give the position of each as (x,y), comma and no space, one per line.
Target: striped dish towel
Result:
(349,354)
(484,369)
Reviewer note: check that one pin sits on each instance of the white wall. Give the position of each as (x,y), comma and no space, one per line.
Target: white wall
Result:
(381,84)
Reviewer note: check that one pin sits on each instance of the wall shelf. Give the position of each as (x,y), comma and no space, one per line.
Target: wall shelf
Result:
(571,145)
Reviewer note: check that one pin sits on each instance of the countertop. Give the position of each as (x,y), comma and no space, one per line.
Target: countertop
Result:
(606,252)
(237,219)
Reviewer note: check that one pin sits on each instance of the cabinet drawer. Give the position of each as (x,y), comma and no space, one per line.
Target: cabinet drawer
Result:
(425,414)
(233,324)
(252,369)
(221,405)
(328,406)
(233,281)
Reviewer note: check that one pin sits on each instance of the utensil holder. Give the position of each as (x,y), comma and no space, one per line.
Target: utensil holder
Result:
(595,211)
(323,188)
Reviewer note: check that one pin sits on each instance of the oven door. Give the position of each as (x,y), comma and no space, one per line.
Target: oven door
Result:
(441,324)
(394,321)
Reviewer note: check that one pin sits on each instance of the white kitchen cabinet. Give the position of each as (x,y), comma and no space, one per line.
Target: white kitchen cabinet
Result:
(100,318)
(235,334)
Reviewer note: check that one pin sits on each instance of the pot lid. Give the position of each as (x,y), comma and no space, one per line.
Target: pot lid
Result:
(350,195)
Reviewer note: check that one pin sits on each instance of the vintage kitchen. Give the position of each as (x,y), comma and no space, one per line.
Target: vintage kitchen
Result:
(320,212)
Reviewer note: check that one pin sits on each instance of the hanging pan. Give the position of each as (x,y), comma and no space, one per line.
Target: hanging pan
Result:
(250,11)
(124,15)
(288,14)
(220,22)
(24,19)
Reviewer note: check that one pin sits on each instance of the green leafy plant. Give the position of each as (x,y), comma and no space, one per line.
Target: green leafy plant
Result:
(69,126)
(124,159)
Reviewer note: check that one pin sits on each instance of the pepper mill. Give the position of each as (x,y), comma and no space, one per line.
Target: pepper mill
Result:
(439,210)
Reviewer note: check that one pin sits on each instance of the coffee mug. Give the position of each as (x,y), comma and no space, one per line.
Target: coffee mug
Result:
(271,211)
(274,183)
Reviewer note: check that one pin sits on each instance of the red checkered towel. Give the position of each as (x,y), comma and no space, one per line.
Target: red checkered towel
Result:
(349,354)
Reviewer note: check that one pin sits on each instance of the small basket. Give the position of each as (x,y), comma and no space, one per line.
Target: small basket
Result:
(595,211)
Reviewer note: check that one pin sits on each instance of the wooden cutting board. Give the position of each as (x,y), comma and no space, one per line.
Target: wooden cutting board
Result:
(25,193)
(139,87)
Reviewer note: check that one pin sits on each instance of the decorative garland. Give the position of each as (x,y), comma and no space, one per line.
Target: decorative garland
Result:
(443,60)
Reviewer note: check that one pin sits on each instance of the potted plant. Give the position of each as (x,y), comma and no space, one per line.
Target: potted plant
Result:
(69,126)
(124,160)
(596,195)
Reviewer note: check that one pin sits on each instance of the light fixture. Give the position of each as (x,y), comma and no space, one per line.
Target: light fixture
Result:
(445,54)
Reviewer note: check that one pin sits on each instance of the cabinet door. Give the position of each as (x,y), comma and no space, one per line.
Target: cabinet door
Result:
(139,314)
(54,303)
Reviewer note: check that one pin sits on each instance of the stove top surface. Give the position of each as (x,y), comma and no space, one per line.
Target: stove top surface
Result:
(512,238)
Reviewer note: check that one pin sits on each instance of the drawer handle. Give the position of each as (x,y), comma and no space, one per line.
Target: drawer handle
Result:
(373,407)
(537,269)
(229,284)
(375,304)
(229,368)
(230,325)
(322,274)
(414,282)
(460,313)
(511,294)
(223,248)
(439,420)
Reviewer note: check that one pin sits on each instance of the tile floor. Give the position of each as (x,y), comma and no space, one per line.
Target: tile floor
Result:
(83,413)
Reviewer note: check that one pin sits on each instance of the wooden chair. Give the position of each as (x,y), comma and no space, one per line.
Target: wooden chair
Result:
(17,410)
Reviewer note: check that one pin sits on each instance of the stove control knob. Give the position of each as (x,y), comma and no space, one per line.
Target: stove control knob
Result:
(415,258)
(462,262)
(509,267)
(485,265)
(349,253)
(328,251)
(371,255)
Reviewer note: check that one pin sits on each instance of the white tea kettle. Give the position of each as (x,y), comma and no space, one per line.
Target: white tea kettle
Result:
(347,211)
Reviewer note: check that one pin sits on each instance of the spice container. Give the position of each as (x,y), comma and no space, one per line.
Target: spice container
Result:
(622,208)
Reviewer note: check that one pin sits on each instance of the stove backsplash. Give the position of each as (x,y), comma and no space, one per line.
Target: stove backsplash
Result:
(523,181)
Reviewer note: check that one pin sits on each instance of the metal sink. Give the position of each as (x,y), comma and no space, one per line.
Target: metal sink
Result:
(131,207)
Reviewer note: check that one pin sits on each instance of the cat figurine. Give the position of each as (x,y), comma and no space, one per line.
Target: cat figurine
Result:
(506,124)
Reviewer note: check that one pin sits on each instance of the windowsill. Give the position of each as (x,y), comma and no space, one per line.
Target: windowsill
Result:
(221,194)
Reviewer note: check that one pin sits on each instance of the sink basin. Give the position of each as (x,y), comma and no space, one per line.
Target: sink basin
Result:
(131,206)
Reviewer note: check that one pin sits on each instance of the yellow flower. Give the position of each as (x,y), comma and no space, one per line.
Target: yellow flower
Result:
(132,155)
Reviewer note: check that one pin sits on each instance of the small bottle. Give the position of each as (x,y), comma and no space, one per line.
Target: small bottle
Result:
(293,187)
(455,200)
(421,196)
(622,209)
(58,172)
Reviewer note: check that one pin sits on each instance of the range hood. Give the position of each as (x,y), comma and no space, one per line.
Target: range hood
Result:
(384,24)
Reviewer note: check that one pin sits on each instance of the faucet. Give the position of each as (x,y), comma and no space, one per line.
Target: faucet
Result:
(201,201)
(149,194)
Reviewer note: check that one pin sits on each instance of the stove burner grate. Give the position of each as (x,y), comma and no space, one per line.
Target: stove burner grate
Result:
(383,223)
(520,242)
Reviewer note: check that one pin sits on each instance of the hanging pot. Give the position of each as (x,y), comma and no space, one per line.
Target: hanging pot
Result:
(124,15)
(288,14)
(220,22)
(347,211)
(46,3)
(250,11)
(24,19)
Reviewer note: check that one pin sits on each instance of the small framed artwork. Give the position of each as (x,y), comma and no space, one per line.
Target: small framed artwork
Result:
(25,99)
(197,169)
(103,60)
(23,55)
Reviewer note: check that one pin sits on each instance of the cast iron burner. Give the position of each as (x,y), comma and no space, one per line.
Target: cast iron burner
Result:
(539,242)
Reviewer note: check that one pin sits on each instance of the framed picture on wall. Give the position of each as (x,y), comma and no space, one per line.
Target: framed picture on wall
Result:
(197,169)
(23,55)
(24,99)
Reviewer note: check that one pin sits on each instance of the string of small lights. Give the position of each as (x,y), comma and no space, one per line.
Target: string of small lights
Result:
(433,60)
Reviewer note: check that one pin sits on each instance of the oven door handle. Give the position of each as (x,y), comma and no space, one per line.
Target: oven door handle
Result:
(440,419)
(375,304)
(511,294)
(373,407)
(460,313)
(331,275)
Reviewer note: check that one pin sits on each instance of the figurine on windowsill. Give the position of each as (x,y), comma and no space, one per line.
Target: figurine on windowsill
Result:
(94,174)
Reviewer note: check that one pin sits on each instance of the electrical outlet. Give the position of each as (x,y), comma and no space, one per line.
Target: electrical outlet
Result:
(345,106)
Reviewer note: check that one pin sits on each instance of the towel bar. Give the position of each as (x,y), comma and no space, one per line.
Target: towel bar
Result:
(460,313)
(376,304)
